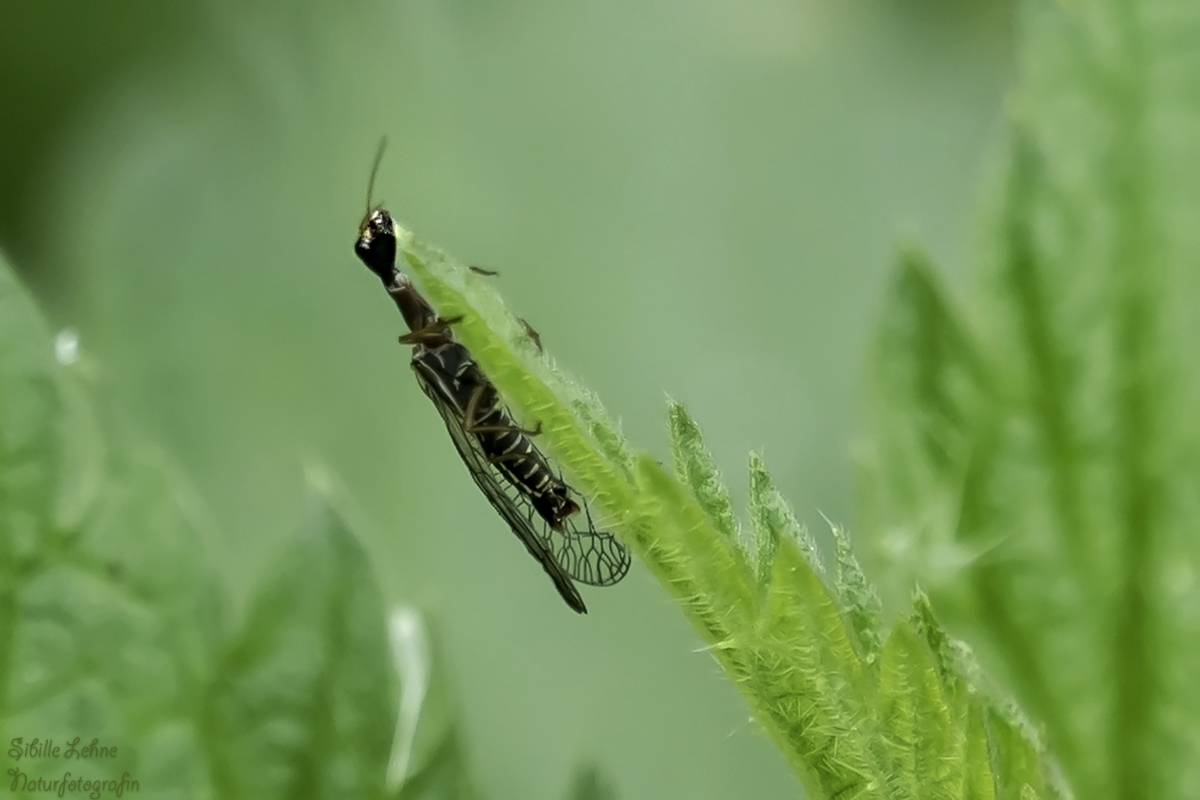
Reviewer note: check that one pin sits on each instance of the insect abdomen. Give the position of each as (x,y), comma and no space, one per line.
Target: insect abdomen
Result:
(515,455)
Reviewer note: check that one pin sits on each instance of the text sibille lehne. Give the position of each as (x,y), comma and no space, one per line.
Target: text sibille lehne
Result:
(73,749)
(38,748)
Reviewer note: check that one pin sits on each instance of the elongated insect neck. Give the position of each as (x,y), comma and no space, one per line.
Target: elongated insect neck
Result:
(416,310)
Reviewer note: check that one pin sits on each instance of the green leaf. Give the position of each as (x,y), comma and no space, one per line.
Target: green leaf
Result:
(108,620)
(940,644)
(428,760)
(115,636)
(774,519)
(979,782)
(929,400)
(696,469)
(925,747)
(807,676)
(303,703)
(605,432)
(706,573)
(858,596)
(766,524)
(1049,499)
(31,445)
(1017,759)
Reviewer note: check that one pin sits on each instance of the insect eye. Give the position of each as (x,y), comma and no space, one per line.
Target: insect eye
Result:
(381,221)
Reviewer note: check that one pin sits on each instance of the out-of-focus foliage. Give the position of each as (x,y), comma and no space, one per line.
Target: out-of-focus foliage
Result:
(112,629)
(428,761)
(1034,462)
(54,59)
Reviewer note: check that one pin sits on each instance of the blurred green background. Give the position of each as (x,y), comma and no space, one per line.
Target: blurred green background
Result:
(697,198)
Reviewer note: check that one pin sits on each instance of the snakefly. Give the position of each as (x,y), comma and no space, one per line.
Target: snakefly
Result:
(540,508)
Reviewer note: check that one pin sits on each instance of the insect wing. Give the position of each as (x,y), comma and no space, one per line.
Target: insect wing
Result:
(589,556)
(519,519)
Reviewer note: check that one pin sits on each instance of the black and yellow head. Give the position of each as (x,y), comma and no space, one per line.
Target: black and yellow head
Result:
(376,243)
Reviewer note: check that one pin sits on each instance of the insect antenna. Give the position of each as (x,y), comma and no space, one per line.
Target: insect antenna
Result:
(374,173)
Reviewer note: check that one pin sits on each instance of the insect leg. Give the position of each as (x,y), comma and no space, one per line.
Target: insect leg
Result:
(432,334)
(533,335)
